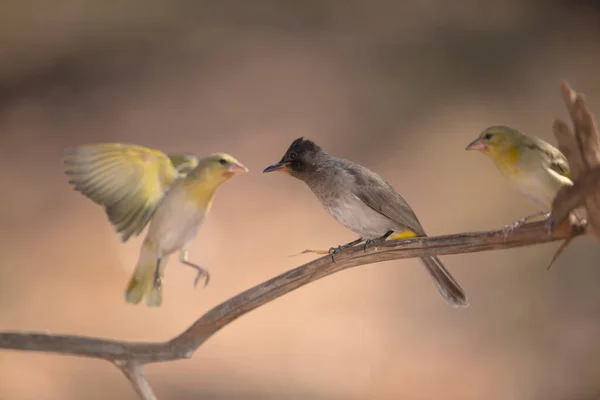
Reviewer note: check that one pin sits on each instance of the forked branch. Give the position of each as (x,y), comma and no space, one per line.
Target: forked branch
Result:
(581,147)
(130,357)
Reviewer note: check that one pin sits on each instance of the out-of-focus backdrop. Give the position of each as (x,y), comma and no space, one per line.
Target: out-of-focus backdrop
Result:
(401,87)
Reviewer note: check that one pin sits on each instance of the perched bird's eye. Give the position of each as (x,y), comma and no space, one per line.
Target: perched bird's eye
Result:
(487,136)
(222,161)
(292,156)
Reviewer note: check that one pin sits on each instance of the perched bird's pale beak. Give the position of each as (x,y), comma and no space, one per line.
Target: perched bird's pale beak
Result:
(237,168)
(476,144)
(277,167)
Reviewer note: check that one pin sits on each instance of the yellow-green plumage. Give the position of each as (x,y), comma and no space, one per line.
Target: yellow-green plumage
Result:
(142,280)
(137,185)
(127,180)
(536,168)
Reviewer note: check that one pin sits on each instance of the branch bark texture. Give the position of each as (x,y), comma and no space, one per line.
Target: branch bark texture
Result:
(131,356)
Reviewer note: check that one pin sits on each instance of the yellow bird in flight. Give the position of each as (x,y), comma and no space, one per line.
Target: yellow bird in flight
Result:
(139,186)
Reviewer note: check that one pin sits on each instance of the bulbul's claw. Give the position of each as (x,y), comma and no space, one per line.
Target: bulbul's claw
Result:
(371,242)
(334,250)
(376,241)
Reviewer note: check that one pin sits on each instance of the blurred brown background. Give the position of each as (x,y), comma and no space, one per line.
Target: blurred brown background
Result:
(400,86)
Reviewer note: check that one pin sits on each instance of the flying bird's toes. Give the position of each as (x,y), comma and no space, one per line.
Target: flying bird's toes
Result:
(202,273)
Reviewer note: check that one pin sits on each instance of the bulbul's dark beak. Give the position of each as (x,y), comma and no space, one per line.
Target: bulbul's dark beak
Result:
(276,167)
(476,144)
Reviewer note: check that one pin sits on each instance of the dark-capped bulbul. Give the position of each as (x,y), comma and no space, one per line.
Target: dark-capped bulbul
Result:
(363,202)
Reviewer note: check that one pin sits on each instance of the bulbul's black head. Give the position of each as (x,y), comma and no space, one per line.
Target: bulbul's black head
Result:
(299,159)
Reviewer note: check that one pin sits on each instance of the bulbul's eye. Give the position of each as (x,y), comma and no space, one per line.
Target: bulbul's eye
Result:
(292,156)
(487,136)
(222,161)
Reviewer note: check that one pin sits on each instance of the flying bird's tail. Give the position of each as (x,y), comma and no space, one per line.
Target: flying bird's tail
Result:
(142,282)
(446,284)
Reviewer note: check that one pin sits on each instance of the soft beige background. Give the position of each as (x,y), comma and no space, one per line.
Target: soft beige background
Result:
(401,87)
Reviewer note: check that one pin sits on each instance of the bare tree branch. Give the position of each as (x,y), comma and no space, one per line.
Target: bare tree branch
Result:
(582,149)
(135,373)
(581,146)
(131,356)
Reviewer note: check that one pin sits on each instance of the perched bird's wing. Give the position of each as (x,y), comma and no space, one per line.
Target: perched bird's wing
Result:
(376,193)
(553,158)
(127,180)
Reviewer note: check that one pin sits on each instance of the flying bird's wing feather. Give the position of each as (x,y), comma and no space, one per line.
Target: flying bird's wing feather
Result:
(184,163)
(129,181)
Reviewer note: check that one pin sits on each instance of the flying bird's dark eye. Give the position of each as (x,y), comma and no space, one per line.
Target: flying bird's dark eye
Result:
(222,161)
(487,136)
(292,156)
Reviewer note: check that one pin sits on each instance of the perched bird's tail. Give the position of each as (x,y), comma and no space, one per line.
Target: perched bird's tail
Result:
(446,284)
(142,283)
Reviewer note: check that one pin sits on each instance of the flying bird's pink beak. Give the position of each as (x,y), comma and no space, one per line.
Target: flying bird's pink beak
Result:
(477,144)
(237,168)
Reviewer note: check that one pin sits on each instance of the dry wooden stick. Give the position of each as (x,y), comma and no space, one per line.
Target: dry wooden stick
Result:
(130,357)
(581,146)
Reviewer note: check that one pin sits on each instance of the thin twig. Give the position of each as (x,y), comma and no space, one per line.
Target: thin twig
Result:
(134,371)
(131,356)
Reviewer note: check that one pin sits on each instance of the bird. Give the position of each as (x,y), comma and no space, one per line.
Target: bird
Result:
(363,202)
(139,186)
(536,168)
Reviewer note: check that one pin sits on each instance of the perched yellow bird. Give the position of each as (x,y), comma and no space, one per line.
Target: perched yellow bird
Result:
(137,185)
(536,168)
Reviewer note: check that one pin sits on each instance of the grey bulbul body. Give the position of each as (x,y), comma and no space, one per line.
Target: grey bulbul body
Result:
(363,202)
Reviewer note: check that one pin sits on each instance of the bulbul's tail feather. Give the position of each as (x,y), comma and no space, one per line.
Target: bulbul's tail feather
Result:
(446,284)
(141,283)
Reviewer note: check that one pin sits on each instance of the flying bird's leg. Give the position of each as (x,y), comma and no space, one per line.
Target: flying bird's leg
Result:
(378,240)
(183,257)
(157,278)
(334,250)
(511,227)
